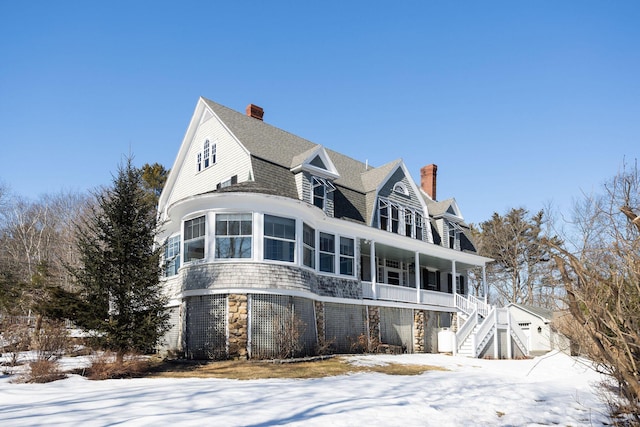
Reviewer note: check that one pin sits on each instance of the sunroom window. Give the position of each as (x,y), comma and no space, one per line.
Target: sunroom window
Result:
(308,246)
(327,252)
(346,256)
(194,239)
(172,256)
(233,235)
(279,238)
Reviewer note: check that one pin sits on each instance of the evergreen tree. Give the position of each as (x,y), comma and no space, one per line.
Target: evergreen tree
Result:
(522,271)
(120,270)
(153,179)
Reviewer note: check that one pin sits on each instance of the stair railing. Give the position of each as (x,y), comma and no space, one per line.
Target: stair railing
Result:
(518,335)
(463,333)
(483,333)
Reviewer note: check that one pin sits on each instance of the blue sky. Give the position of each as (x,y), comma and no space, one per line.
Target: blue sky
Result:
(518,103)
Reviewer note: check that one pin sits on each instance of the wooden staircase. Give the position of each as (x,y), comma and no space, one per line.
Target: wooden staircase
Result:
(482,322)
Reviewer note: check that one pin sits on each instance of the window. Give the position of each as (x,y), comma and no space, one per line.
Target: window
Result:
(383,214)
(408,223)
(172,256)
(279,238)
(194,232)
(308,246)
(395,218)
(430,280)
(327,252)
(400,219)
(233,235)
(227,182)
(320,187)
(400,188)
(453,235)
(346,256)
(206,154)
(460,284)
(419,227)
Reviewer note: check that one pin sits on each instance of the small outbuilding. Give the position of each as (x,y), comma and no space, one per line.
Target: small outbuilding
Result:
(535,322)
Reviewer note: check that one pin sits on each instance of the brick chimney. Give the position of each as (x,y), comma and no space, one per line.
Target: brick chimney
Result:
(428,180)
(255,111)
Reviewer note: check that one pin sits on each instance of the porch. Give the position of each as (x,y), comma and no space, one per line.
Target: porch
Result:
(432,276)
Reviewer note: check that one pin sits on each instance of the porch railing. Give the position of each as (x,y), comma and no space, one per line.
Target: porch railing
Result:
(405,294)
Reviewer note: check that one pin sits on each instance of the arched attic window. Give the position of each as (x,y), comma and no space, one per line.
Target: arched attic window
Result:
(400,188)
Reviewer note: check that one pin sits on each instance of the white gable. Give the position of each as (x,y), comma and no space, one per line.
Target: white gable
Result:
(317,162)
(231,159)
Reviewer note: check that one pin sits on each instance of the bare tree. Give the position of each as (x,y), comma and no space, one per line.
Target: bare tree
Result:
(601,276)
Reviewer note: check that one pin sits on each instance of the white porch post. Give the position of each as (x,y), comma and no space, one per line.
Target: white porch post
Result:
(509,344)
(417,273)
(374,268)
(453,279)
(484,283)
(496,335)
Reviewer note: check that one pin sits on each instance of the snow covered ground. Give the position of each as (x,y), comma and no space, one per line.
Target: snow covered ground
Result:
(548,390)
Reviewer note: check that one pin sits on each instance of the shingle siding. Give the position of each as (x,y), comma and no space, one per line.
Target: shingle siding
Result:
(267,276)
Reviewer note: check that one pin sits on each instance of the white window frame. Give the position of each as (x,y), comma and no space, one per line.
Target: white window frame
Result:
(172,253)
(327,187)
(206,154)
(344,257)
(241,217)
(191,240)
(308,250)
(284,239)
(326,252)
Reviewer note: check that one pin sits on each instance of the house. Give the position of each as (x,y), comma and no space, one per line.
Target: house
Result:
(275,244)
(535,323)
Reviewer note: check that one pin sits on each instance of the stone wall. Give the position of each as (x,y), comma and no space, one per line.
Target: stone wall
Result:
(238,315)
(374,326)
(419,329)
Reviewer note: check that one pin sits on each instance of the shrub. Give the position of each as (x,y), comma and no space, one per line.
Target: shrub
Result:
(106,366)
(44,371)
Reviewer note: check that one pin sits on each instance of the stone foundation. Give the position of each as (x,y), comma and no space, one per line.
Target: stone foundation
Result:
(238,315)
(419,327)
(374,327)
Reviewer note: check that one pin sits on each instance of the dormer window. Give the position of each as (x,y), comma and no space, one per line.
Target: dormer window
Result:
(454,235)
(400,219)
(320,187)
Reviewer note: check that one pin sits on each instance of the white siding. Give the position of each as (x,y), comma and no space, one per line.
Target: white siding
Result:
(231,159)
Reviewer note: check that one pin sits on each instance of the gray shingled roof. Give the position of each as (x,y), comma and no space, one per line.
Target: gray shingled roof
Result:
(543,313)
(283,148)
